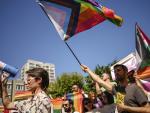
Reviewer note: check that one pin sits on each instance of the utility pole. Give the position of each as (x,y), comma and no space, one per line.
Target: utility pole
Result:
(13,89)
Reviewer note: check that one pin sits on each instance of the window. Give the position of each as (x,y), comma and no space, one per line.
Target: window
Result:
(19,87)
(8,86)
(37,65)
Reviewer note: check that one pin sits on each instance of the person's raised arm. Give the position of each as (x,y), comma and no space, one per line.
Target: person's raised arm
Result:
(143,109)
(5,98)
(98,89)
(96,78)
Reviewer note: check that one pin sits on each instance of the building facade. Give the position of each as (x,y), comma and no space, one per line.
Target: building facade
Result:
(19,84)
(50,68)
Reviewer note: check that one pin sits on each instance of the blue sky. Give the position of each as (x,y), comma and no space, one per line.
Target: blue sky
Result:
(26,33)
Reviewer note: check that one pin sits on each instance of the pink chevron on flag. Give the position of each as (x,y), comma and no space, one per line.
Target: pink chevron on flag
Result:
(146,84)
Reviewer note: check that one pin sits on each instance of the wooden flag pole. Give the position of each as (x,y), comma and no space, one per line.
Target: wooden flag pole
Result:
(72,53)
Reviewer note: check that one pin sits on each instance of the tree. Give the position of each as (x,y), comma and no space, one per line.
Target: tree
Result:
(63,84)
(65,81)
(88,85)
(99,70)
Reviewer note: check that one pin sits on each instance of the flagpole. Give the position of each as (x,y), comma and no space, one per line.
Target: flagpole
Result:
(72,52)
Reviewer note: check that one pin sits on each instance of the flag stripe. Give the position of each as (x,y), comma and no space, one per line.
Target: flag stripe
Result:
(146,84)
(143,47)
(78,101)
(73,16)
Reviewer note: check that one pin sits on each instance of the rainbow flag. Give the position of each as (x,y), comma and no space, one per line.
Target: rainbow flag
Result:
(22,95)
(143,51)
(77,100)
(73,16)
(57,105)
(146,84)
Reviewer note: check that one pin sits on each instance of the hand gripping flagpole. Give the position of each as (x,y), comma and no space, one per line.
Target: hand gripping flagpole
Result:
(72,52)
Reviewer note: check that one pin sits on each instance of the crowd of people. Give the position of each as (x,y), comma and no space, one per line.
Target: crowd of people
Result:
(125,96)
(134,100)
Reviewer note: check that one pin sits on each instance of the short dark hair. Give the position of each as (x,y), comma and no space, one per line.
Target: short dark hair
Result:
(78,85)
(122,66)
(70,101)
(86,101)
(40,73)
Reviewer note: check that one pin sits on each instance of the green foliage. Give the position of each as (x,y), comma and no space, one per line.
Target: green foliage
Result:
(64,83)
(89,84)
(99,70)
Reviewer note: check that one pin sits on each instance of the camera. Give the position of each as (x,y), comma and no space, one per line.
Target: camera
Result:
(9,69)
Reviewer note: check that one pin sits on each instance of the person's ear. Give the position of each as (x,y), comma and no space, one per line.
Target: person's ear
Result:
(39,80)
